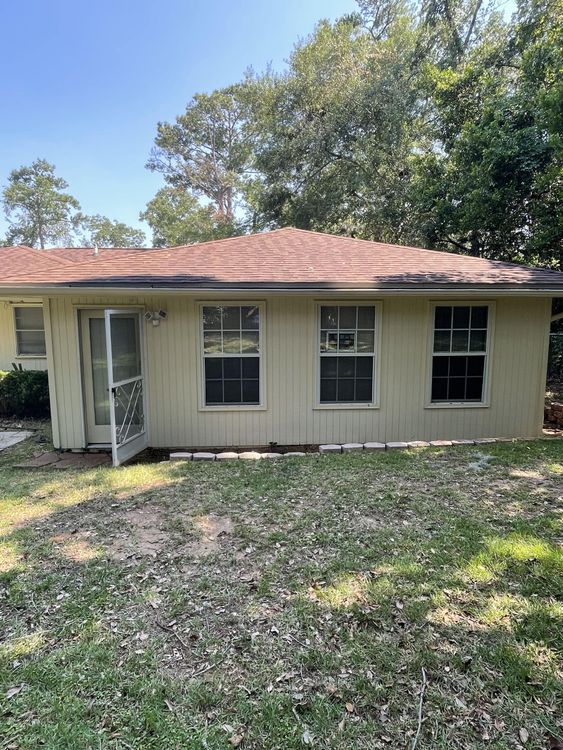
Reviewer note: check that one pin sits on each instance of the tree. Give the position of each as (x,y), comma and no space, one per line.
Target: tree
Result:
(103,232)
(36,206)
(336,131)
(176,217)
(207,151)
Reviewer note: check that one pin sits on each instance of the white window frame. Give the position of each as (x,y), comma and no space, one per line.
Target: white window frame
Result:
(485,401)
(19,354)
(261,406)
(374,403)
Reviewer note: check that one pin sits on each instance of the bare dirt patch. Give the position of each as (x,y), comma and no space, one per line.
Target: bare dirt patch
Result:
(212,529)
(141,533)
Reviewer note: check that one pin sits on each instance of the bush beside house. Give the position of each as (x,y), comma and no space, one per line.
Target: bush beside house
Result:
(24,393)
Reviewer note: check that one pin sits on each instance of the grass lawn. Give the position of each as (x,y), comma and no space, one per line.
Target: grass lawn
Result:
(285,605)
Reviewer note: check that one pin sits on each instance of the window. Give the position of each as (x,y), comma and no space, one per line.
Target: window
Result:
(347,348)
(459,358)
(231,353)
(30,331)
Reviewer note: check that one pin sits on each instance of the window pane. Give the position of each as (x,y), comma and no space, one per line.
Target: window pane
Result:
(214,367)
(364,389)
(99,357)
(366,317)
(249,341)
(347,317)
(456,389)
(328,367)
(233,391)
(231,318)
(439,389)
(346,342)
(231,342)
(125,347)
(250,367)
(31,342)
(212,318)
(460,341)
(250,317)
(364,367)
(458,366)
(461,317)
(250,392)
(212,342)
(328,389)
(231,368)
(365,341)
(345,389)
(443,317)
(475,389)
(213,392)
(329,317)
(329,341)
(478,341)
(29,318)
(442,341)
(479,317)
(475,365)
(346,367)
(440,366)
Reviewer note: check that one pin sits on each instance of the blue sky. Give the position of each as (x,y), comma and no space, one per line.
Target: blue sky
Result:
(84,82)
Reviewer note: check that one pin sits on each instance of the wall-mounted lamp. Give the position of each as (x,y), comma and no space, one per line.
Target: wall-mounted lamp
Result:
(156,316)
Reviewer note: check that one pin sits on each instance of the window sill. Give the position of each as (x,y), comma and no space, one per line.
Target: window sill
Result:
(234,407)
(458,405)
(332,407)
(31,356)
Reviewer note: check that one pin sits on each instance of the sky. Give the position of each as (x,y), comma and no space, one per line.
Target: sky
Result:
(84,82)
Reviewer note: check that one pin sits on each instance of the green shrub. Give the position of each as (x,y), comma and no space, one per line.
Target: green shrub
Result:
(24,393)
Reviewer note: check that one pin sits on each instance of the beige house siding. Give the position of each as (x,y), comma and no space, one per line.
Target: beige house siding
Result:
(8,350)
(290,416)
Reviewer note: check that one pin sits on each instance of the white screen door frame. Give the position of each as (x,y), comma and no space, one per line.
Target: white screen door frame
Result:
(126,383)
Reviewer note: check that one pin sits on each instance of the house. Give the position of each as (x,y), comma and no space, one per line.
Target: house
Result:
(290,337)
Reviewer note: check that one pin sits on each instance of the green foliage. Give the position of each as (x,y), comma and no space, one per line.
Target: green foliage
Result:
(555,361)
(24,393)
(176,217)
(103,232)
(36,206)
(207,151)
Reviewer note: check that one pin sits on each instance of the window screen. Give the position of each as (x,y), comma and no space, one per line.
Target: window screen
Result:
(459,352)
(30,331)
(231,351)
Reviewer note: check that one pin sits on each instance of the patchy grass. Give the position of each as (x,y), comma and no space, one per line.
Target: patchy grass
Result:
(284,605)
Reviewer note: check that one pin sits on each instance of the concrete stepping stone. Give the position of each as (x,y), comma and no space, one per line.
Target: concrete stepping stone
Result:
(397,445)
(294,454)
(226,456)
(441,443)
(203,456)
(463,442)
(249,456)
(419,444)
(485,441)
(9,438)
(181,456)
(351,447)
(271,456)
(330,448)
(374,446)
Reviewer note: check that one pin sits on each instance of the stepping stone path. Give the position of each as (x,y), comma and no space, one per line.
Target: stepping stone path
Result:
(55,460)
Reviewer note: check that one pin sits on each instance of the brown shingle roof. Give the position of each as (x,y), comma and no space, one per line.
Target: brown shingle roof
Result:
(290,259)
(19,259)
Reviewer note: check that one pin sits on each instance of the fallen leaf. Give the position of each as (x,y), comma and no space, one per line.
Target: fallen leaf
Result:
(350,708)
(307,737)
(13,691)
(524,735)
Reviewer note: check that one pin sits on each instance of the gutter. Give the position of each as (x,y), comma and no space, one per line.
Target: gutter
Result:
(414,290)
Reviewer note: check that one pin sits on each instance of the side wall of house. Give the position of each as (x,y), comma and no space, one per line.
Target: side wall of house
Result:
(173,358)
(8,354)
